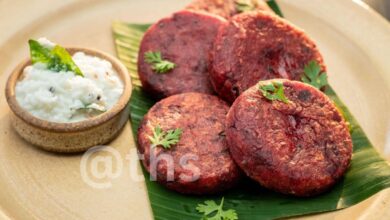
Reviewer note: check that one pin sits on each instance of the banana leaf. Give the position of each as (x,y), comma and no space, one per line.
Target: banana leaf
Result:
(367,175)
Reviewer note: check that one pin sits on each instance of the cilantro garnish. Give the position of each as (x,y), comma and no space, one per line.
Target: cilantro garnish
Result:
(244,5)
(56,59)
(313,76)
(210,207)
(165,139)
(158,64)
(273,91)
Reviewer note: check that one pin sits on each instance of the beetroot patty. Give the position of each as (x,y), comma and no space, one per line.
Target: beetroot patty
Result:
(257,46)
(185,39)
(201,118)
(300,148)
(226,8)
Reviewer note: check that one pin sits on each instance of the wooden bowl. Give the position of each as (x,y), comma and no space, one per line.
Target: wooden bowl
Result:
(77,136)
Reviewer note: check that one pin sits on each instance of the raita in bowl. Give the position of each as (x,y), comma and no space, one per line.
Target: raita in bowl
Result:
(68,100)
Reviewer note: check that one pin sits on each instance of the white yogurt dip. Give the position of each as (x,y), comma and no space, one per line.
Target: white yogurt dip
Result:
(65,97)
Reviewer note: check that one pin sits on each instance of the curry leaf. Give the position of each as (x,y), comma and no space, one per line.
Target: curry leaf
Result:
(57,59)
(39,53)
(62,61)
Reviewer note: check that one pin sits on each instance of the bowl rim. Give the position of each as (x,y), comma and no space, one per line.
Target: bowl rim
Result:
(83,125)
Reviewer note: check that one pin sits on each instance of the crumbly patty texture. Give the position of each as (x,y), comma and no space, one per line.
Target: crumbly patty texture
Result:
(185,39)
(202,150)
(258,46)
(225,8)
(300,148)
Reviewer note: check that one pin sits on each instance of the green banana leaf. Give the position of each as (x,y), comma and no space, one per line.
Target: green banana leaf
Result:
(368,174)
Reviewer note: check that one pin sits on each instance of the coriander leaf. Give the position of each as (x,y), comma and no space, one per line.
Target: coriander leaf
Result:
(229,214)
(56,59)
(163,66)
(153,57)
(209,207)
(273,92)
(244,5)
(165,139)
(313,76)
(158,64)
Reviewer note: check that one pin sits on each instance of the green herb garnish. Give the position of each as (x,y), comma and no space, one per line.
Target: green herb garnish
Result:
(275,7)
(313,76)
(56,59)
(158,64)
(244,5)
(165,139)
(209,207)
(273,91)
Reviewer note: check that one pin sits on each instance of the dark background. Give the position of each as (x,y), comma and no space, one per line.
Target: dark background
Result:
(382,6)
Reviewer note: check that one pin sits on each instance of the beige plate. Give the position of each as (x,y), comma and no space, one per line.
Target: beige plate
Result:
(39,185)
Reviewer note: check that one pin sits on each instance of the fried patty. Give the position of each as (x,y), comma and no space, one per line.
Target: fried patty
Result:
(227,8)
(200,162)
(258,46)
(300,148)
(185,38)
